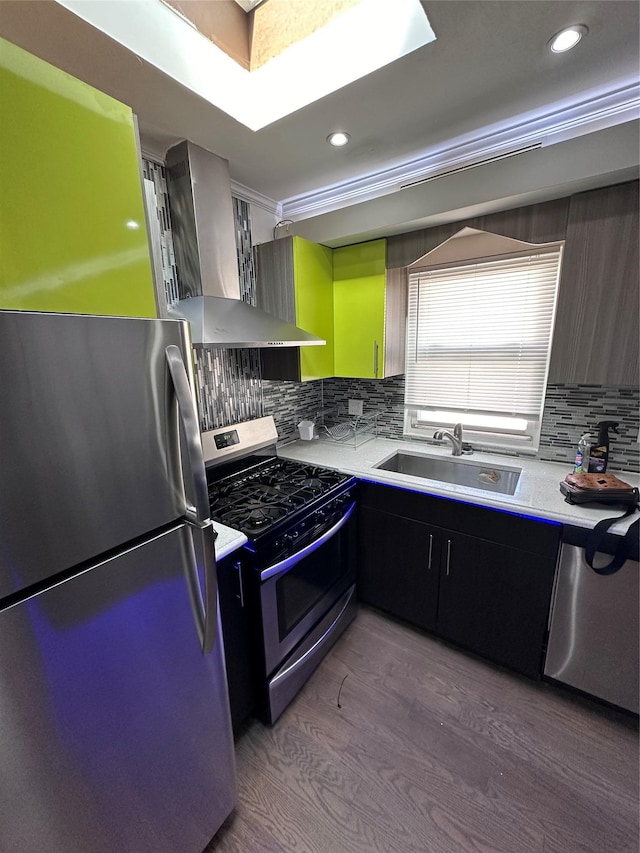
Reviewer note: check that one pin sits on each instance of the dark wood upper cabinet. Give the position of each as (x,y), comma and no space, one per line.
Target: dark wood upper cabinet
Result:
(596,332)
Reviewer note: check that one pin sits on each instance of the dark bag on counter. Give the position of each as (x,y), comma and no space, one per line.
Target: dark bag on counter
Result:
(584,489)
(599,488)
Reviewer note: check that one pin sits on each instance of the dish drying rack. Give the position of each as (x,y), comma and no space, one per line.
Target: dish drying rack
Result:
(351,430)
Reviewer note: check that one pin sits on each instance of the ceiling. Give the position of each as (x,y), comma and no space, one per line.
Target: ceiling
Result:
(486,86)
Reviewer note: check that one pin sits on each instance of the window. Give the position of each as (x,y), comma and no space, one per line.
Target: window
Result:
(478,344)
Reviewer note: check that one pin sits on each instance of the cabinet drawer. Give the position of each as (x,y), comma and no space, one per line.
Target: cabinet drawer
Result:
(535,536)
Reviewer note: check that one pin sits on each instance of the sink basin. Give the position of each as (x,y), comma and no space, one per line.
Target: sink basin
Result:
(489,478)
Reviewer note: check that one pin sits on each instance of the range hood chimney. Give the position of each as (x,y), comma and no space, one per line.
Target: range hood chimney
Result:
(205,246)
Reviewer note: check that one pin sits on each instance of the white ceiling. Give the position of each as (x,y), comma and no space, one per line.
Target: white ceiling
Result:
(488,83)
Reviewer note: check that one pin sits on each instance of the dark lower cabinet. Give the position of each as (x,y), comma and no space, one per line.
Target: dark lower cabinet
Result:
(477,577)
(495,600)
(236,631)
(401,567)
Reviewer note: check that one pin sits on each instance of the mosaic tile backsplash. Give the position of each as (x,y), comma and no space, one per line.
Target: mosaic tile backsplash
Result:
(571,410)
(244,249)
(228,380)
(156,173)
(385,396)
(290,403)
(229,386)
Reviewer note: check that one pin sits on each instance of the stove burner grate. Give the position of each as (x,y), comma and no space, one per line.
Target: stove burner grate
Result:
(252,518)
(256,499)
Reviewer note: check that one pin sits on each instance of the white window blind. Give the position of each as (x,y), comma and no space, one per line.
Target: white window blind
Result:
(479,335)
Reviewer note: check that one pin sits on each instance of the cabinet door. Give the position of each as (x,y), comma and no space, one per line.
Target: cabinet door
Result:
(294,281)
(313,278)
(237,640)
(596,331)
(359,281)
(398,566)
(495,600)
(72,226)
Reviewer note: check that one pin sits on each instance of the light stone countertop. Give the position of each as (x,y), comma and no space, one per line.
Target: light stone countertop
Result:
(228,540)
(537,493)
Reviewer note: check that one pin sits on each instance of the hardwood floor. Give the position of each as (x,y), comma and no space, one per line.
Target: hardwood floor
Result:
(433,750)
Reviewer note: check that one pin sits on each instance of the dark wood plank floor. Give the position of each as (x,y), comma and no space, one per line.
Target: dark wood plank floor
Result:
(433,750)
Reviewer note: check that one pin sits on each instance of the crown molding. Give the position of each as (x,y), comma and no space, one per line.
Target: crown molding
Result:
(156,155)
(563,122)
(256,198)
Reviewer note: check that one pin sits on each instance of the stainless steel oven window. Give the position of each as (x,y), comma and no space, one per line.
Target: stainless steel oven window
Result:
(299,590)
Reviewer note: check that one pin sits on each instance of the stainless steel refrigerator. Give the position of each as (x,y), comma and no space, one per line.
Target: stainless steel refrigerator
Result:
(115,732)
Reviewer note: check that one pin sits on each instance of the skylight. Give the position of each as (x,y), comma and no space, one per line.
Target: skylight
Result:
(366,37)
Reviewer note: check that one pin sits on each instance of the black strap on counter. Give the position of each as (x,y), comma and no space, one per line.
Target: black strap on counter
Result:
(622,548)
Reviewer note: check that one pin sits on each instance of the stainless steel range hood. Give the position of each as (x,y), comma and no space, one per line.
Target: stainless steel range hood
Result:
(205,247)
(216,321)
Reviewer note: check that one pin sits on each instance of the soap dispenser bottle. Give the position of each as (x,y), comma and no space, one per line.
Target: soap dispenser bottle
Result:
(599,453)
(581,464)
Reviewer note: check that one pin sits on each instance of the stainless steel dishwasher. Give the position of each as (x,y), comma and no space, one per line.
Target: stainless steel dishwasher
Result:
(593,638)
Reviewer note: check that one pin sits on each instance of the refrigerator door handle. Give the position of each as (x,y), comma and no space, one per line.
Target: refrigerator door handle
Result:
(199,513)
(210,589)
(205,613)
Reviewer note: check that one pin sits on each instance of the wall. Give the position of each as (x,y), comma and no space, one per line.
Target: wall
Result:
(569,411)
(290,403)
(230,387)
(263,223)
(156,173)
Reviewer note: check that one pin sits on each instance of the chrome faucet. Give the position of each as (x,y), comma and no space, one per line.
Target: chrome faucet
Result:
(454,437)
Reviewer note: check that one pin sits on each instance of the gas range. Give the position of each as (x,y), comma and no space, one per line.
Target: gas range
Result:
(270,493)
(297,571)
(253,490)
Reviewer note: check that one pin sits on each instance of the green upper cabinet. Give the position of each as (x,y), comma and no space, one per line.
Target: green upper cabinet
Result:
(312,276)
(358,304)
(346,296)
(73,236)
(369,312)
(294,282)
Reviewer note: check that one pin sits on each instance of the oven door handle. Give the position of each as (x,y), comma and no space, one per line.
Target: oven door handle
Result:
(296,664)
(284,565)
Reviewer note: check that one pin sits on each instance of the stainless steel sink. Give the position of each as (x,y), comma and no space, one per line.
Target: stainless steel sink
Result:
(489,478)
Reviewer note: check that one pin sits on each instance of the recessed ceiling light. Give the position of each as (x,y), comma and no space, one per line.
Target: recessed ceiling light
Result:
(338,139)
(567,38)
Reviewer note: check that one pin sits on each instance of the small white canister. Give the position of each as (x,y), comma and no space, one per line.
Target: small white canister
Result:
(305,428)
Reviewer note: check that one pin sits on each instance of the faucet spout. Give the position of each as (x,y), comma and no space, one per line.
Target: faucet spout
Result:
(454,437)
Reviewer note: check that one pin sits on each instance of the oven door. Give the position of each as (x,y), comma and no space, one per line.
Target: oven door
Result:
(297,592)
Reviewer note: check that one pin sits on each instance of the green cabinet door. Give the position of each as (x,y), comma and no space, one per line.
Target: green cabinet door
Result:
(359,277)
(73,236)
(313,283)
